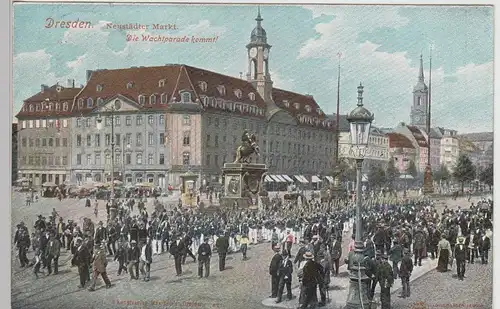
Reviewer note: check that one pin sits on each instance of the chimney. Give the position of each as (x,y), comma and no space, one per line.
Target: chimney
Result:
(89,74)
(43,88)
(71,83)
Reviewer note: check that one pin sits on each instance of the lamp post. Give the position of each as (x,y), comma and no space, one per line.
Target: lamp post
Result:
(116,106)
(360,120)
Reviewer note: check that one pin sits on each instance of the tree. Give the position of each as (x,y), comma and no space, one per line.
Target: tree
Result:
(486,175)
(377,177)
(442,174)
(391,172)
(464,170)
(412,169)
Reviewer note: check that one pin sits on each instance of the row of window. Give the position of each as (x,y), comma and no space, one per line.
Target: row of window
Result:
(92,121)
(119,159)
(141,99)
(46,106)
(45,160)
(128,178)
(44,142)
(44,123)
(232,106)
(127,139)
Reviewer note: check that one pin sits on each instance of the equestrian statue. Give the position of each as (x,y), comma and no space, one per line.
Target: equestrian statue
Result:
(247,148)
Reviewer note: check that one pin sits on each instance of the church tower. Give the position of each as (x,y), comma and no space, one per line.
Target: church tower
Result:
(418,115)
(258,62)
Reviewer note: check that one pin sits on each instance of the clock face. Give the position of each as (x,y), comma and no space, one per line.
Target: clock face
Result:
(253,52)
(418,118)
(266,53)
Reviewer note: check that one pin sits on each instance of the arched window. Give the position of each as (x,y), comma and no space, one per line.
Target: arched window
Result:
(37,107)
(251,95)
(32,108)
(186,97)
(163,98)
(203,86)
(237,93)
(141,99)
(58,106)
(51,106)
(186,158)
(90,102)
(99,88)
(222,90)
(205,101)
(130,85)
(80,103)
(419,101)
(99,101)
(161,83)
(138,159)
(152,99)
(65,106)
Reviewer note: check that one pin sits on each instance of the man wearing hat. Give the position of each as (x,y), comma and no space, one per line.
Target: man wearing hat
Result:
(312,274)
(99,264)
(133,255)
(204,255)
(405,271)
(385,278)
(222,245)
(52,254)
(274,270)
(460,253)
(82,260)
(285,276)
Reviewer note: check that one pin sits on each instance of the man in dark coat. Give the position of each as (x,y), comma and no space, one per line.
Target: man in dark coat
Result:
(82,260)
(274,267)
(379,239)
(60,228)
(484,248)
(460,255)
(112,238)
(101,234)
(52,253)
(336,254)
(285,276)
(121,256)
(371,271)
(133,255)
(418,246)
(188,241)
(385,278)
(176,249)
(23,242)
(405,271)
(204,255)
(311,277)
(222,245)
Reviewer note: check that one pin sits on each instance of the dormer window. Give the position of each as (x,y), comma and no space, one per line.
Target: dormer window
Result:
(90,102)
(51,106)
(99,101)
(58,106)
(161,83)
(308,108)
(296,105)
(130,85)
(203,86)
(318,110)
(205,101)
(251,95)
(222,90)
(237,93)
(37,107)
(80,103)
(152,99)
(44,106)
(24,108)
(286,103)
(32,108)
(186,97)
(142,99)
(163,98)
(65,106)
(99,88)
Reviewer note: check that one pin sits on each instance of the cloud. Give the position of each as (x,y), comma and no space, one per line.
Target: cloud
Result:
(281,82)
(389,77)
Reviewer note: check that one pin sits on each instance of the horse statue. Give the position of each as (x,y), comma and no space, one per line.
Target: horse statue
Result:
(247,148)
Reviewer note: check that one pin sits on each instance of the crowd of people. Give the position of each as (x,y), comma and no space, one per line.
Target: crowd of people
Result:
(306,238)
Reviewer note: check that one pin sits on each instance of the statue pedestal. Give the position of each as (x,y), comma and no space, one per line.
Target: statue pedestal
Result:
(242,182)
(428,186)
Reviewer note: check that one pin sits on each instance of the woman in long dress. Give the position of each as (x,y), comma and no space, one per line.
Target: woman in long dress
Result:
(444,249)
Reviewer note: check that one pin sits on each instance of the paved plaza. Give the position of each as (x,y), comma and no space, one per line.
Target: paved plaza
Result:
(244,284)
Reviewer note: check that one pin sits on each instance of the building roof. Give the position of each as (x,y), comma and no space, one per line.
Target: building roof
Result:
(49,102)
(478,137)
(376,131)
(343,123)
(398,140)
(436,133)
(418,135)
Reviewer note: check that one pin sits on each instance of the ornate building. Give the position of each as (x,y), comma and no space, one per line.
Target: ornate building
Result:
(418,115)
(403,152)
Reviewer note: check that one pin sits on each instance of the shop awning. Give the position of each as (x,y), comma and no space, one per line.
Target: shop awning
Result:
(301,178)
(287,178)
(276,179)
(315,179)
(280,178)
(268,179)
(330,179)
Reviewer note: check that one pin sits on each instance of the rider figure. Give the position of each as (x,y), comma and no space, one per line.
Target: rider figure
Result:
(245,138)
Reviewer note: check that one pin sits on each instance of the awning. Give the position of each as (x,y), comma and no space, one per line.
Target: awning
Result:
(364,178)
(268,179)
(287,178)
(301,178)
(315,179)
(280,178)
(276,179)
(330,179)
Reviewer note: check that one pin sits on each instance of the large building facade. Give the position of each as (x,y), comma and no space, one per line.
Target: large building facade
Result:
(13,158)
(44,134)
(449,148)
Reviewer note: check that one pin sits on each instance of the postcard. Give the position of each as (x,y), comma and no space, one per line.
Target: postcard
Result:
(251,156)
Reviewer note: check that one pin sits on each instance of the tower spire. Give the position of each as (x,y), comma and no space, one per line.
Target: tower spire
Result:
(259,18)
(421,70)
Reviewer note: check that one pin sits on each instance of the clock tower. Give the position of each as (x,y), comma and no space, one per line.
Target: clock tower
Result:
(258,62)
(418,115)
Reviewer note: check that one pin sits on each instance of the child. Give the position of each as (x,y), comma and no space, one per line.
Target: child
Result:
(37,263)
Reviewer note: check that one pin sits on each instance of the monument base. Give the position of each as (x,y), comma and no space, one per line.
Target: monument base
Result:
(428,182)
(242,183)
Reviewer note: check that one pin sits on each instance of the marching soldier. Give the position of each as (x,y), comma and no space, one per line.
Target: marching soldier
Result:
(222,245)
(405,273)
(386,278)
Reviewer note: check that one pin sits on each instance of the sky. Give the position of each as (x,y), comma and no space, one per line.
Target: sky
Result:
(380,46)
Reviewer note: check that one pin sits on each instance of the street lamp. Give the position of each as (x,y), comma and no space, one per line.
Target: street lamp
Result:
(360,120)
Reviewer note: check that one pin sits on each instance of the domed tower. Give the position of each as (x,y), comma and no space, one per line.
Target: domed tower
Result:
(258,61)
(418,115)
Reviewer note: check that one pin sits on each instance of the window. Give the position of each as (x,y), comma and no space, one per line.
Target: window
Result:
(152,99)
(32,109)
(222,90)
(37,123)
(23,160)
(51,142)
(118,158)
(251,95)
(139,158)
(162,159)
(24,124)
(186,158)
(117,139)
(216,160)
(216,141)
(99,101)
(65,123)
(90,102)
(128,121)
(151,119)
(162,119)
(203,86)
(163,98)
(237,93)
(207,159)
(58,106)
(24,141)
(97,140)
(78,159)
(78,122)
(31,124)
(141,99)
(128,158)
(208,139)
(89,159)
(151,139)
(130,85)
(128,139)
(107,159)
(186,120)
(216,122)
(51,160)
(57,161)
(97,159)
(150,159)
(107,140)
(186,97)
(65,142)
(186,139)
(161,83)
(99,88)
(30,161)
(107,121)
(138,139)
(117,121)
(44,142)
(88,122)
(138,120)
(78,140)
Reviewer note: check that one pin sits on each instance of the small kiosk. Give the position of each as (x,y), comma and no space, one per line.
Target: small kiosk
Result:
(188,188)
